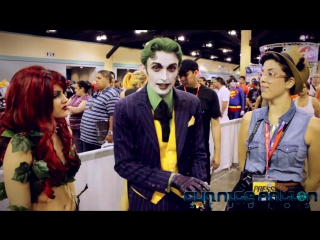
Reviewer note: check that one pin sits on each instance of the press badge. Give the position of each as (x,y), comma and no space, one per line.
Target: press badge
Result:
(263,183)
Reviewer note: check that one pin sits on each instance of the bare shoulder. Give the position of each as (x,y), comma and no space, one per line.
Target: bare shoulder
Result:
(246,118)
(313,130)
(17,157)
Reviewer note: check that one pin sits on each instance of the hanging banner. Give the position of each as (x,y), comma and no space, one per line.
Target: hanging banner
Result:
(309,50)
(310,53)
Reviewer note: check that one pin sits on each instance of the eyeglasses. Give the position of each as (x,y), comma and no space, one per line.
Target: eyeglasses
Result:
(270,76)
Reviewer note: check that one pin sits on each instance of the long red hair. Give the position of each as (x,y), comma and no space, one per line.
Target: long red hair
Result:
(29,107)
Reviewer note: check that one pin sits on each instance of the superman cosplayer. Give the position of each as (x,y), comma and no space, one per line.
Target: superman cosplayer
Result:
(159,145)
(237,100)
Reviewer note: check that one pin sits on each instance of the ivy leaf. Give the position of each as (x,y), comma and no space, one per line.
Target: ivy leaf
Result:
(8,133)
(73,154)
(40,169)
(71,179)
(22,173)
(21,143)
(35,134)
(16,208)
(67,180)
(3,194)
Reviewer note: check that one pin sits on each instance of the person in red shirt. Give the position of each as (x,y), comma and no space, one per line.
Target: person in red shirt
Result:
(95,86)
(243,85)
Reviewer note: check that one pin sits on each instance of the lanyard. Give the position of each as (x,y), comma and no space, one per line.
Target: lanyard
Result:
(271,144)
(197,90)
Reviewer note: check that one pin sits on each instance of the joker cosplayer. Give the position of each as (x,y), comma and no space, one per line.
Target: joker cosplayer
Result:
(158,138)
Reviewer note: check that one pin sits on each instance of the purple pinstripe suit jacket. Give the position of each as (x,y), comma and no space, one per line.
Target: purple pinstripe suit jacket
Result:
(136,147)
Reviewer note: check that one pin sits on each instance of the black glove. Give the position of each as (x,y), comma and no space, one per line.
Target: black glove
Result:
(184,184)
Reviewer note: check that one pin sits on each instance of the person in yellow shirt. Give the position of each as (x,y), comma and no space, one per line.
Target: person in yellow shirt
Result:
(159,145)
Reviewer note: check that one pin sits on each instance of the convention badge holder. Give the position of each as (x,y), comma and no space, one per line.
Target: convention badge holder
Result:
(263,183)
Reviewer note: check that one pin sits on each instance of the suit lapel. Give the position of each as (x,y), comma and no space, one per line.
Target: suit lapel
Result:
(181,120)
(146,118)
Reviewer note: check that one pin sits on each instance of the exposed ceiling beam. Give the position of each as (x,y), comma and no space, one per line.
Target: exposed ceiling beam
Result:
(115,47)
(255,39)
(234,40)
(236,68)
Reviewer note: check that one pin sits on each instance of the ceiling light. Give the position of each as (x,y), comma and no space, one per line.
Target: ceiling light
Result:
(228,59)
(224,50)
(181,38)
(232,32)
(102,37)
(141,31)
(302,37)
(258,57)
(213,57)
(193,53)
(209,45)
(51,31)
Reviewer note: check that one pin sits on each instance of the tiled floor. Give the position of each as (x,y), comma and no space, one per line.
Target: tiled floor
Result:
(225,180)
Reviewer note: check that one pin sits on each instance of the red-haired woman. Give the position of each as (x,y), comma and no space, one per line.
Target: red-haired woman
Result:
(36,148)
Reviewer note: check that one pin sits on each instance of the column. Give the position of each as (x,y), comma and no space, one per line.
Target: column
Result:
(245,51)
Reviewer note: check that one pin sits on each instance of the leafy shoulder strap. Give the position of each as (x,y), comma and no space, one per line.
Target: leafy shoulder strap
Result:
(21,142)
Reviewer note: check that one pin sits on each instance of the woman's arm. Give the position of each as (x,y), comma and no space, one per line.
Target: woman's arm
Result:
(79,109)
(243,135)
(18,190)
(316,106)
(312,139)
(69,101)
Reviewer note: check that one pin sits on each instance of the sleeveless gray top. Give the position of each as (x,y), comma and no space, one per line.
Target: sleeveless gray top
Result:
(287,161)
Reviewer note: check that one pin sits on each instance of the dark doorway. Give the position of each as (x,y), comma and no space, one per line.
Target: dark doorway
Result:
(68,74)
(122,72)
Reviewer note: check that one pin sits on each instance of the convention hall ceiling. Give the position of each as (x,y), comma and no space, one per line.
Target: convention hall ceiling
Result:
(216,45)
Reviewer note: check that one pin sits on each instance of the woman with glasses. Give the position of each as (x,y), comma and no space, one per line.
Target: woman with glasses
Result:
(275,141)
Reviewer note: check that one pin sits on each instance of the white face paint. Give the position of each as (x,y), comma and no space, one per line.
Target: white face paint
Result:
(162,71)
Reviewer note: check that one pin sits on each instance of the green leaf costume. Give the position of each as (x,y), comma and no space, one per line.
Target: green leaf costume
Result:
(38,172)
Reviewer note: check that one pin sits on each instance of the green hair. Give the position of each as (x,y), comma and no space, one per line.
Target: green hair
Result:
(160,44)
